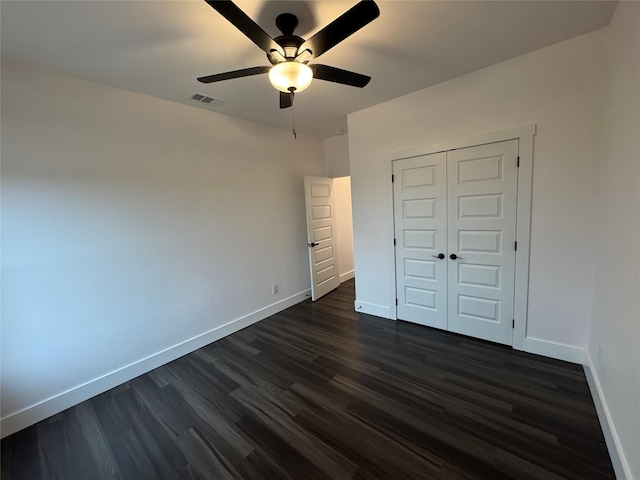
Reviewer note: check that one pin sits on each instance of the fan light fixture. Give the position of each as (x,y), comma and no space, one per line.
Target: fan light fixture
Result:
(290,76)
(289,53)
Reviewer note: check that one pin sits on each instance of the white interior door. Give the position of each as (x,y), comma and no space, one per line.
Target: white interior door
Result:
(482,195)
(420,211)
(459,205)
(321,234)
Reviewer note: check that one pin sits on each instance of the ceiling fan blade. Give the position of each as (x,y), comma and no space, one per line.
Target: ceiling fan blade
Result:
(242,22)
(245,72)
(350,22)
(286,100)
(337,75)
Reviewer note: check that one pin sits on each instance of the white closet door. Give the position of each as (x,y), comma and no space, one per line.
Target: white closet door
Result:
(482,194)
(420,211)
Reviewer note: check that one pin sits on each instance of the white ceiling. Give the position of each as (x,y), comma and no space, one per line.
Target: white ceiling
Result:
(158,48)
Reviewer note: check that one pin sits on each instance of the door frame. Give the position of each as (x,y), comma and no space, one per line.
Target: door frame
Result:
(525,136)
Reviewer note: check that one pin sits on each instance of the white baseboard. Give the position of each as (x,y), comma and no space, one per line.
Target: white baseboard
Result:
(373,309)
(347,276)
(559,351)
(28,416)
(618,459)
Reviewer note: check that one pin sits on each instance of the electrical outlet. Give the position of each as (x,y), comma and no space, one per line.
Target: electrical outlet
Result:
(274,289)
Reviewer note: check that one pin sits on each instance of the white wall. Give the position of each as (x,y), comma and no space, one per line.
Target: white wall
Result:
(344,227)
(130,225)
(556,88)
(336,153)
(614,341)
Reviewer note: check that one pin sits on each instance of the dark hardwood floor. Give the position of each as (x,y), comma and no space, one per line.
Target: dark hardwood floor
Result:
(321,392)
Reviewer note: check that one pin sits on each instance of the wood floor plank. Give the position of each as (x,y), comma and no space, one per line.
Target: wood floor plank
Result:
(319,391)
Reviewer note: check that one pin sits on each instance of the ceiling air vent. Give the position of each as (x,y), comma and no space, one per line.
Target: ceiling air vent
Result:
(211,101)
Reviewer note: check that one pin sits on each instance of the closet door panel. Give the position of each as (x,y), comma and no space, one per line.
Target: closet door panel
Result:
(482,194)
(420,217)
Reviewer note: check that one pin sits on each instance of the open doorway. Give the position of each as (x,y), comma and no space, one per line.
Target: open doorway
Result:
(336,156)
(344,227)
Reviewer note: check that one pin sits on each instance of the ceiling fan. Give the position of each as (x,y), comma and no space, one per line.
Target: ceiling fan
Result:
(290,54)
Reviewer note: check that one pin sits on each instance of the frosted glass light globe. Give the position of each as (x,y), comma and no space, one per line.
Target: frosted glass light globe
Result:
(290,76)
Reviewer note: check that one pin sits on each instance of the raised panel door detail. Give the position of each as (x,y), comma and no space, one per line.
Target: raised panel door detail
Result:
(323,254)
(322,233)
(320,190)
(420,208)
(479,308)
(421,297)
(419,269)
(420,239)
(487,276)
(479,241)
(480,169)
(321,212)
(418,177)
(325,274)
(480,206)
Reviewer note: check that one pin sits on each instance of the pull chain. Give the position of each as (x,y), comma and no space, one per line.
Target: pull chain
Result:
(293,118)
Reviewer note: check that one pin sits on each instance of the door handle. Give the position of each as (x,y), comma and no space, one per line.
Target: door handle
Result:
(453,256)
(312,244)
(440,256)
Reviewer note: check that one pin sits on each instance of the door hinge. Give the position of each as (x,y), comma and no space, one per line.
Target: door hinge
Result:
(396,301)
(518,161)
(513,323)
(394,242)
(516,246)
(393,178)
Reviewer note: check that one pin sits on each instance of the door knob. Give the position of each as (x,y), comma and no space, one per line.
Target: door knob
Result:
(440,256)
(312,244)
(453,256)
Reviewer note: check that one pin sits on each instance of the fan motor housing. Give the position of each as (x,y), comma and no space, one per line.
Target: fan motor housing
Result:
(290,45)
(286,23)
